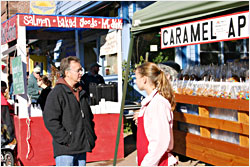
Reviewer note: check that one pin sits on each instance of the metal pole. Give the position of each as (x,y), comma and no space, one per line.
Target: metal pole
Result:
(123,98)
(77,44)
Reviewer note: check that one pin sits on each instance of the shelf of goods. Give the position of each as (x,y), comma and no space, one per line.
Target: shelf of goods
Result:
(203,145)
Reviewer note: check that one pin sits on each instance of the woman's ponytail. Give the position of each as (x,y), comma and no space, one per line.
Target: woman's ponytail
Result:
(165,88)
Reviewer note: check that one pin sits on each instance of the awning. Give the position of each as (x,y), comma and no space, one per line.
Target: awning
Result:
(54,23)
(163,13)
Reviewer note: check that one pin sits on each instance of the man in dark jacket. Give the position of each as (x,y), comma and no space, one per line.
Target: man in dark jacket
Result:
(68,117)
(91,77)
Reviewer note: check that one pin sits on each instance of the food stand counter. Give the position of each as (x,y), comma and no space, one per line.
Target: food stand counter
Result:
(201,146)
(35,142)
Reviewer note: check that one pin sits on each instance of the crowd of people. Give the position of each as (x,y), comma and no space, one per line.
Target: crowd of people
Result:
(38,89)
(7,125)
(67,114)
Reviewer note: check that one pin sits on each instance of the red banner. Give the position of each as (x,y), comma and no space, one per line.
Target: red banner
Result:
(69,21)
(9,30)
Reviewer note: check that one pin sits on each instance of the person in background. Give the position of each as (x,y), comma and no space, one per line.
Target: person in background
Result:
(170,72)
(44,83)
(11,91)
(247,75)
(155,119)
(91,77)
(5,115)
(68,117)
(27,76)
(34,90)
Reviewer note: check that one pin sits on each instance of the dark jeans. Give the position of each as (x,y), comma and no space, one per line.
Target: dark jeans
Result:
(8,121)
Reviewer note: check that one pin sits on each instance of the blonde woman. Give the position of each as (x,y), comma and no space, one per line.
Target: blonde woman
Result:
(155,119)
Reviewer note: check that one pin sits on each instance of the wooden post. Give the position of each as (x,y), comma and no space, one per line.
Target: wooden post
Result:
(203,111)
(243,117)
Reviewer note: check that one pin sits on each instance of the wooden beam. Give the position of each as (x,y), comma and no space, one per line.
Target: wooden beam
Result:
(215,157)
(243,117)
(204,131)
(233,104)
(209,150)
(244,140)
(45,35)
(215,123)
(181,138)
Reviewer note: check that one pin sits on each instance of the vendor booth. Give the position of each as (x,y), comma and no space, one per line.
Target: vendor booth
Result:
(34,143)
(212,115)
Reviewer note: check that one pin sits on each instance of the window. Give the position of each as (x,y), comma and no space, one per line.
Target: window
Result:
(237,49)
(142,49)
(222,52)
(209,53)
(110,65)
(108,51)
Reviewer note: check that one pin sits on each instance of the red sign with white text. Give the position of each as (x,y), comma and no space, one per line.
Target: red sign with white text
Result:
(9,30)
(69,21)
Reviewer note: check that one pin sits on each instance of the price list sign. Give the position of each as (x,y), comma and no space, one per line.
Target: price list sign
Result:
(17,73)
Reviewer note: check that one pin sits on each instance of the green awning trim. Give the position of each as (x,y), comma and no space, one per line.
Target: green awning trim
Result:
(163,13)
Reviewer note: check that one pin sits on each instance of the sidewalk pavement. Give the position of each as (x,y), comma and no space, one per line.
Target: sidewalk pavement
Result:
(130,154)
(130,160)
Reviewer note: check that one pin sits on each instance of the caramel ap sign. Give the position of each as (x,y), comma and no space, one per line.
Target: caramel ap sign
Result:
(221,28)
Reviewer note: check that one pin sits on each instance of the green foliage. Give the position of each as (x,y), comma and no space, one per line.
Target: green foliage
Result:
(127,126)
(142,60)
(131,70)
(160,58)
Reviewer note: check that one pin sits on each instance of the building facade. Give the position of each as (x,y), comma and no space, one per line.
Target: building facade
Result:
(92,44)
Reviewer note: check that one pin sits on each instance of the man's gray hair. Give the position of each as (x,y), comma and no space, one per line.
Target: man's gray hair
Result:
(65,64)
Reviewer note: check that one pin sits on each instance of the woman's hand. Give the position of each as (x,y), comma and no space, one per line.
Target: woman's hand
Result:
(135,116)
